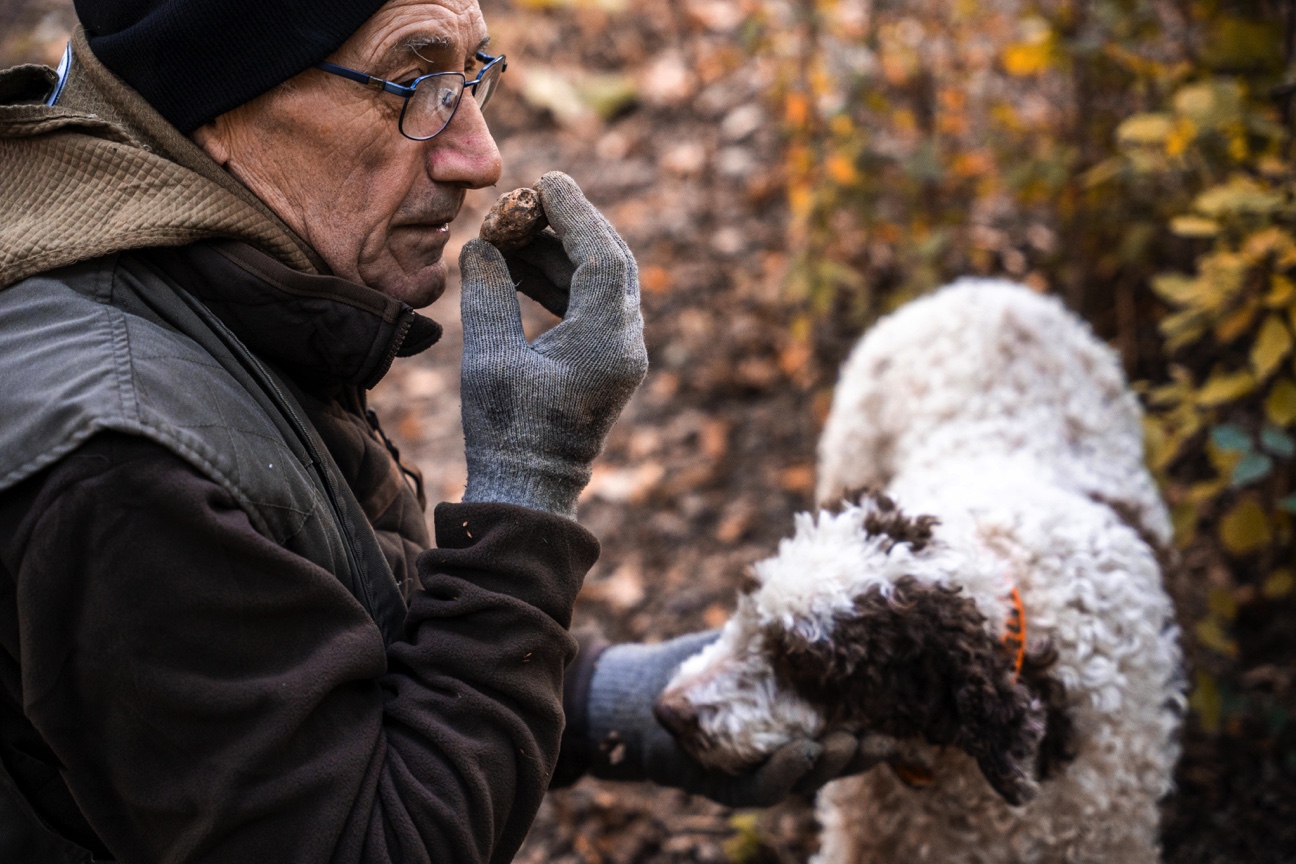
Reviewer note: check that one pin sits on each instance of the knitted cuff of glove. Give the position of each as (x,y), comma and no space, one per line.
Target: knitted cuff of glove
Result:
(505,484)
(625,684)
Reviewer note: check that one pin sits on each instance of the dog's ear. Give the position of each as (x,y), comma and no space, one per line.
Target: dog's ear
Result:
(916,661)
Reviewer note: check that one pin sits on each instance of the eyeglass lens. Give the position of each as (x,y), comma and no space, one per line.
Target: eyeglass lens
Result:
(436,97)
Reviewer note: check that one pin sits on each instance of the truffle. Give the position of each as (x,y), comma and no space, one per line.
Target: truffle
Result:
(516,218)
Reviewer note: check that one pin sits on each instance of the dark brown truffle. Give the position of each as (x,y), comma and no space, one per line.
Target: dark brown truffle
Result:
(516,217)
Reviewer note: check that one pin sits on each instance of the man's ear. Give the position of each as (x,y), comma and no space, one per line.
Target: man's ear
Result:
(918,662)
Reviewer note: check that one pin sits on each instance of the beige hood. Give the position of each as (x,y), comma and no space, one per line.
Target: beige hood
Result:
(102,172)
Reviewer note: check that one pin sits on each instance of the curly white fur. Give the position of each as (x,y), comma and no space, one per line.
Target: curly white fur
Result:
(998,412)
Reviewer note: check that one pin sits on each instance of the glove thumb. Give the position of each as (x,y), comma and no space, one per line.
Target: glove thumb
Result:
(839,749)
(776,778)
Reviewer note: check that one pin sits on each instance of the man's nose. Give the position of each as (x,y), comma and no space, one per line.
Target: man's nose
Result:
(465,152)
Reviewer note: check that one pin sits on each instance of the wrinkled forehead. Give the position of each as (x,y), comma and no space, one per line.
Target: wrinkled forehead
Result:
(441,31)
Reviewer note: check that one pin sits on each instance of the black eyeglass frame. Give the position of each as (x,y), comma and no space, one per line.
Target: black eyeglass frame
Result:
(406,92)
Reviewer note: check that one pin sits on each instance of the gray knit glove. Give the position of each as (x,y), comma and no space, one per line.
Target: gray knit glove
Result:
(632,745)
(535,414)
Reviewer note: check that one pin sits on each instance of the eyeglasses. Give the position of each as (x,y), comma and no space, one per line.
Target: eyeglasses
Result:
(431,100)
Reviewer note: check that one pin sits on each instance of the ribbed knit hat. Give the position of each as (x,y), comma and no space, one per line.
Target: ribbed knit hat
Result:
(195,59)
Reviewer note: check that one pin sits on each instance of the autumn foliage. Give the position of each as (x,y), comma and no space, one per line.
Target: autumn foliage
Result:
(1134,157)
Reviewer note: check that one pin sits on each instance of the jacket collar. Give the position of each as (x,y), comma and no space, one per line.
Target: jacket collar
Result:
(100,172)
(323,331)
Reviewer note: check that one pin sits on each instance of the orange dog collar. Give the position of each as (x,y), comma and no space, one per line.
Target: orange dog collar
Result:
(1014,638)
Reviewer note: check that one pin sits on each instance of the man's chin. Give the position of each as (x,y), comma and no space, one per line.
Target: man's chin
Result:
(419,288)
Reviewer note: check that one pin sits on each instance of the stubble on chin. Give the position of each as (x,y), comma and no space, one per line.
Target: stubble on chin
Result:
(426,286)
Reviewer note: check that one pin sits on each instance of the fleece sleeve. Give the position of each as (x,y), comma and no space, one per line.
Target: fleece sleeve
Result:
(211,697)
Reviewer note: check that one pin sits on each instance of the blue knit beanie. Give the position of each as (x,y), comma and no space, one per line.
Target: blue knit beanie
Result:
(195,59)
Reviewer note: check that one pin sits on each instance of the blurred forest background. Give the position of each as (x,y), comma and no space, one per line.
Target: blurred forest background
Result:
(788,170)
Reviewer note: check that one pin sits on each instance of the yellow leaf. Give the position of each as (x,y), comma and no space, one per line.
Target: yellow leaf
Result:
(1221,604)
(1239,195)
(796,109)
(1270,245)
(1223,461)
(1272,345)
(1145,129)
(1280,406)
(1103,172)
(1166,450)
(1240,43)
(842,170)
(1210,104)
(1154,440)
(1206,490)
(1205,700)
(1176,288)
(1168,395)
(1281,292)
(1226,274)
(1028,58)
(800,199)
(1183,517)
(1180,137)
(1237,147)
(1212,635)
(1237,323)
(1244,528)
(1278,584)
(1182,328)
(1194,226)
(1224,387)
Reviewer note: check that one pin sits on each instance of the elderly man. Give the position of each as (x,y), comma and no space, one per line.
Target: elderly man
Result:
(224,635)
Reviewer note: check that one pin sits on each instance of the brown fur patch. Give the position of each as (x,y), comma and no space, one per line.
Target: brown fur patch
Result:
(1057,748)
(849,498)
(889,520)
(920,664)
(1166,557)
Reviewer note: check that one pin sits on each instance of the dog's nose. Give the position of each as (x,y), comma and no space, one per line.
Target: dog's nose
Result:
(677,715)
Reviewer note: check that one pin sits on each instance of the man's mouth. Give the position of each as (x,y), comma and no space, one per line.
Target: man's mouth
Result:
(431,236)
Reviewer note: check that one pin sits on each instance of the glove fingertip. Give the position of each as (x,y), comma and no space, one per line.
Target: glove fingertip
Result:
(479,252)
(552,180)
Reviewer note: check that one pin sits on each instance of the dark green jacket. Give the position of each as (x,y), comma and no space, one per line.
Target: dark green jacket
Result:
(206,550)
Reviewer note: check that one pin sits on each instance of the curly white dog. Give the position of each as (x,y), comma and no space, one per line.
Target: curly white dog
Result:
(1012,646)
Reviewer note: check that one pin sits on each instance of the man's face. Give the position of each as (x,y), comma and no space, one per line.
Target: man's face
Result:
(326,155)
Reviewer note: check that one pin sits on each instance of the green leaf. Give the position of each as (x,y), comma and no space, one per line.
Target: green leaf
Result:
(1252,467)
(1230,436)
(1277,442)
